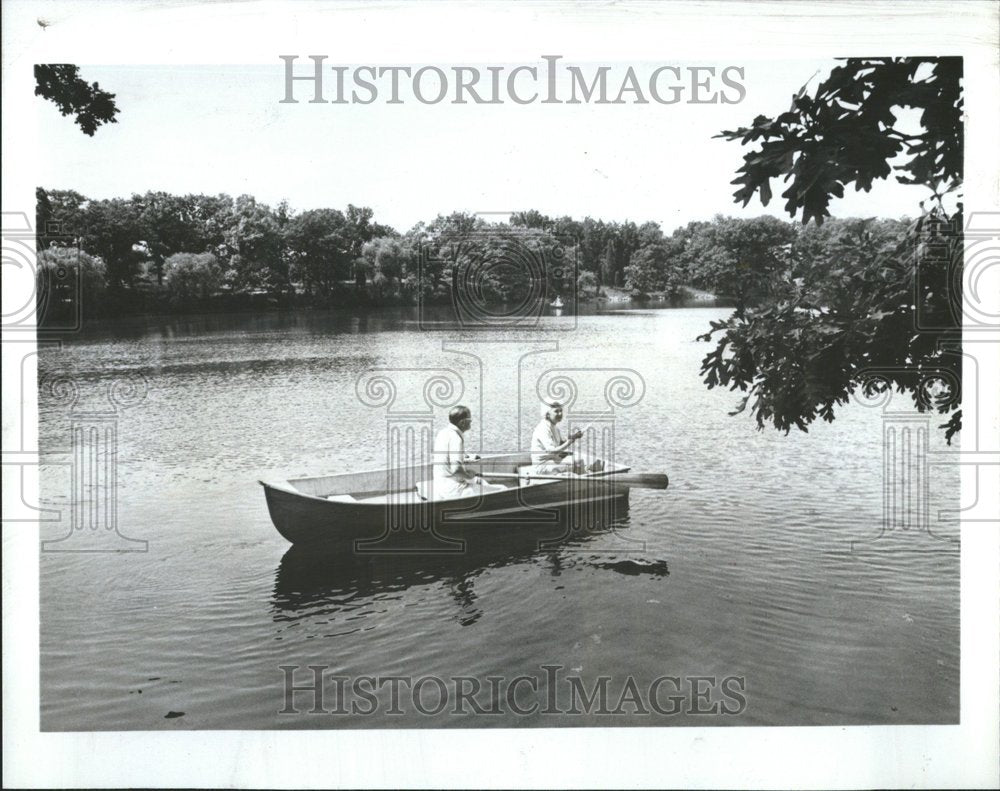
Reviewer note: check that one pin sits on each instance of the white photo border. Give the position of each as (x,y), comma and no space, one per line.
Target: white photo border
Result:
(163,32)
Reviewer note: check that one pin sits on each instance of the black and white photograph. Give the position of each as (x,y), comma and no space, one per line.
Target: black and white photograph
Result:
(548,394)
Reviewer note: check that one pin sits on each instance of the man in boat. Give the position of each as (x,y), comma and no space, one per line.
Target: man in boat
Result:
(550,453)
(451,477)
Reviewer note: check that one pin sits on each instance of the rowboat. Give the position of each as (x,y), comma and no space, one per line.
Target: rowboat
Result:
(391,509)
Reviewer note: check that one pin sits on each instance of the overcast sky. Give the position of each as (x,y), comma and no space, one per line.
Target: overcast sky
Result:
(217,129)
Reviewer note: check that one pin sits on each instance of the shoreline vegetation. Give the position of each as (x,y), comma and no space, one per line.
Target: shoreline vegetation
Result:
(159,255)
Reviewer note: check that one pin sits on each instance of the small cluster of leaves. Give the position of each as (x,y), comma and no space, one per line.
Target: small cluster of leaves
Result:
(847,134)
(62,85)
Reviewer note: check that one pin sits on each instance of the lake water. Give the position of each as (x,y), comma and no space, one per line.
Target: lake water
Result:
(765,561)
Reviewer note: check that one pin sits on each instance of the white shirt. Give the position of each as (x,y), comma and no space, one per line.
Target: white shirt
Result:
(449,452)
(545,437)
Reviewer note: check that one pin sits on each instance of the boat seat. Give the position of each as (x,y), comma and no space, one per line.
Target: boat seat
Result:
(395,498)
(526,473)
(342,498)
(425,489)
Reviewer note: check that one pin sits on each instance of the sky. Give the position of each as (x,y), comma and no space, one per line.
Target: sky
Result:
(221,128)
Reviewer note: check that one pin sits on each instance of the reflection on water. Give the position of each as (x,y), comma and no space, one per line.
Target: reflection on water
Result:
(318,578)
(324,593)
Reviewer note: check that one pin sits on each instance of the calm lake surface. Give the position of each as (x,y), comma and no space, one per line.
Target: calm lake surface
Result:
(764,560)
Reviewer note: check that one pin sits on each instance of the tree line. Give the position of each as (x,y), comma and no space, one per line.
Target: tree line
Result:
(166,253)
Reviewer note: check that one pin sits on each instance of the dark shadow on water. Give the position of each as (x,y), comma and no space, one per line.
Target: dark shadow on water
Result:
(633,568)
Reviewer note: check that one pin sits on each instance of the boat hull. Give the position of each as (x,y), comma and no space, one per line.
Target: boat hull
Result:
(550,511)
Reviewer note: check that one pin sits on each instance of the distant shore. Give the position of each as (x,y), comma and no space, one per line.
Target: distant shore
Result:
(63,306)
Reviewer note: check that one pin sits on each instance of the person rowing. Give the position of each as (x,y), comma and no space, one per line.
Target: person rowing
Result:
(550,453)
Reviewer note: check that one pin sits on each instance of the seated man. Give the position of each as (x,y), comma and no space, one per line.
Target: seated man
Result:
(451,477)
(550,453)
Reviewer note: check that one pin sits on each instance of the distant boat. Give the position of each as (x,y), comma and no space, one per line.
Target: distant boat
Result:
(557,302)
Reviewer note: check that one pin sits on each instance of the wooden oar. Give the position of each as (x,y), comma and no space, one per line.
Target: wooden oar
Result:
(642,480)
